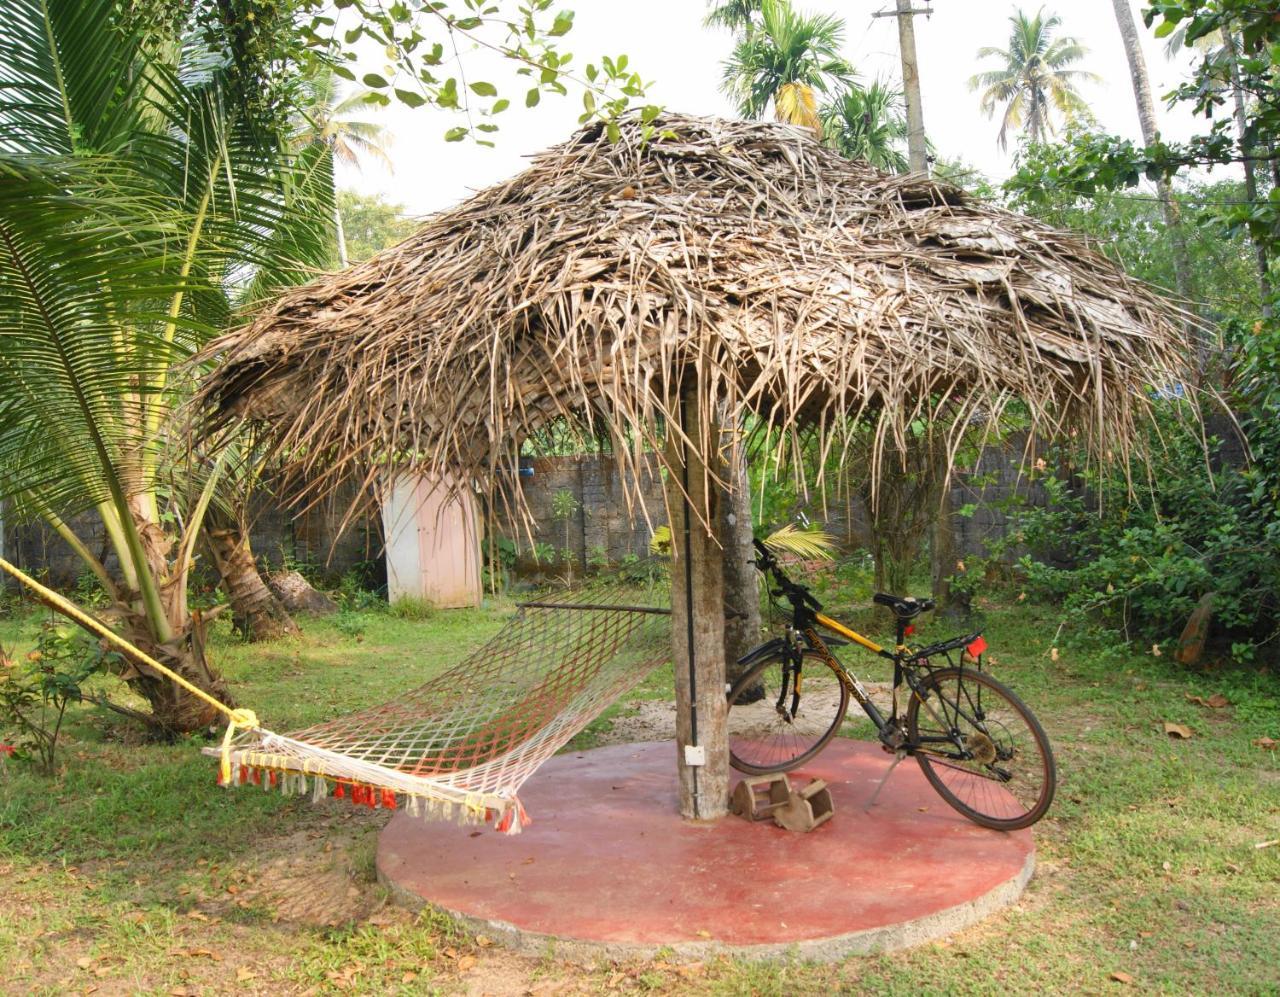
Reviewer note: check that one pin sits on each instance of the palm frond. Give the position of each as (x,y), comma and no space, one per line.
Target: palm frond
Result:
(809,543)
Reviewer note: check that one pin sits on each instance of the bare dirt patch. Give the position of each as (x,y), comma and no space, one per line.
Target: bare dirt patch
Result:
(655,719)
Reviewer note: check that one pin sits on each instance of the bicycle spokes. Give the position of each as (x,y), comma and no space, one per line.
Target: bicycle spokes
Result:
(981,748)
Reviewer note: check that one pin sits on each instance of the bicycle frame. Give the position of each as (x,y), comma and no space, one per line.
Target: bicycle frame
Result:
(807,617)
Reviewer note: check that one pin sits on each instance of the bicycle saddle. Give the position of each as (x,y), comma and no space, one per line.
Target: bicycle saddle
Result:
(904,608)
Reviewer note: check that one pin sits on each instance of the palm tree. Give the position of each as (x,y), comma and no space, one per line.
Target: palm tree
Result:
(137,194)
(785,60)
(736,15)
(325,120)
(1034,81)
(868,124)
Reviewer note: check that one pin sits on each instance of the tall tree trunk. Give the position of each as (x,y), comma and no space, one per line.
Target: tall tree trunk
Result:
(1150,134)
(256,611)
(340,233)
(1250,168)
(741,592)
(902,511)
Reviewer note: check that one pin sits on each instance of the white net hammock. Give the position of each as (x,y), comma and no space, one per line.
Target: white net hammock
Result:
(462,745)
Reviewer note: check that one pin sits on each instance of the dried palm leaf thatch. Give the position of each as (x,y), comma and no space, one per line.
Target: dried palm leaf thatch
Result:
(742,261)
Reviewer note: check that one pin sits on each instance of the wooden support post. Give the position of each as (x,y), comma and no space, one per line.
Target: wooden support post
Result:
(697,620)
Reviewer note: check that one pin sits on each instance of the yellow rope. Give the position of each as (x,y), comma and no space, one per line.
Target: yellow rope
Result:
(239,719)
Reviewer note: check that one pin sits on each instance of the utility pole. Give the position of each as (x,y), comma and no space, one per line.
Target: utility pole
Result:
(917,158)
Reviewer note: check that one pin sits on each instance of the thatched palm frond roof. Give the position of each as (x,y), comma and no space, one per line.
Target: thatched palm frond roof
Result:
(742,258)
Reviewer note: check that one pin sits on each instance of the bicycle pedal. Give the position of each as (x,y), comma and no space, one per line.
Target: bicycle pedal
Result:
(757,798)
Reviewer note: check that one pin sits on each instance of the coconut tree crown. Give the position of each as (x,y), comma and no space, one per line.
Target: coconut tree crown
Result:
(1035,81)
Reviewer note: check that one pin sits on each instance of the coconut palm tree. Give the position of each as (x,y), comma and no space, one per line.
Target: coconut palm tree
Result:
(1034,81)
(868,124)
(785,60)
(138,195)
(324,119)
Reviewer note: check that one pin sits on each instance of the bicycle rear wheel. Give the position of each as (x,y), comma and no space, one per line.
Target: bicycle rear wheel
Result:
(981,748)
(770,728)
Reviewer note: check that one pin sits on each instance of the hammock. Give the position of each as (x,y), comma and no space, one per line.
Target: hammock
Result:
(464,743)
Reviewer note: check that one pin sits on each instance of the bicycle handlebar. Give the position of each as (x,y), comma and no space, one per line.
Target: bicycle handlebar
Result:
(798,595)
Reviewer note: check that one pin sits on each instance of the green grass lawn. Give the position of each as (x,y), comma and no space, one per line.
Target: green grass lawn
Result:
(130,872)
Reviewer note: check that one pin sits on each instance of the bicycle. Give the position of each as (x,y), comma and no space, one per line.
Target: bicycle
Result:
(977,743)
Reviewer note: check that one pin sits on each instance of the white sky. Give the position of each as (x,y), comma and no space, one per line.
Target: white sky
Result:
(667,44)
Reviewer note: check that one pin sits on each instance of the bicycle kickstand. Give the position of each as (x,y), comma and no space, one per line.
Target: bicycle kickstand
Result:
(897,757)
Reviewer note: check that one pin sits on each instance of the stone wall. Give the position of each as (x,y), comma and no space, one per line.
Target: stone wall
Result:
(600,525)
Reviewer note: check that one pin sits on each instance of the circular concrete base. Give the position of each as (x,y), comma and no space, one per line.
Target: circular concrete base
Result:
(609,870)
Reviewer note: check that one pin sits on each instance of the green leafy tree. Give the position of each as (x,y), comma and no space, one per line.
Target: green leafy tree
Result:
(142,184)
(868,124)
(1034,81)
(422,41)
(372,223)
(786,61)
(1246,70)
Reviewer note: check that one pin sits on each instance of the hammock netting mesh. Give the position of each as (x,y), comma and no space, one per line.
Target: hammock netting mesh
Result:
(461,745)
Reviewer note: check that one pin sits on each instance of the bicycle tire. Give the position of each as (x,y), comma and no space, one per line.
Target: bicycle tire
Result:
(762,741)
(991,791)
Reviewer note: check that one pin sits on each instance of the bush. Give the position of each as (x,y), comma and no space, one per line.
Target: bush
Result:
(34,696)
(1137,560)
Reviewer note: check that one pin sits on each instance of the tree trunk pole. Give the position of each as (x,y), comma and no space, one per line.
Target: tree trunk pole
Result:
(697,617)
(1250,169)
(1150,134)
(742,595)
(917,156)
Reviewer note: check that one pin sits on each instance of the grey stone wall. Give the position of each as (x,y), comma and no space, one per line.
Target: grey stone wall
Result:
(600,525)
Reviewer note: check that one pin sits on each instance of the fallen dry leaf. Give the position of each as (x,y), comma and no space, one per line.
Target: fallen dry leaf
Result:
(1120,977)
(1215,702)
(197,954)
(484,941)
(1266,743)
(244,975)
(466,962)
(1180,731)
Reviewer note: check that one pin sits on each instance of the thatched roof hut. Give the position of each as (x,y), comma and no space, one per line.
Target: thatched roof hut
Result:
(742,259)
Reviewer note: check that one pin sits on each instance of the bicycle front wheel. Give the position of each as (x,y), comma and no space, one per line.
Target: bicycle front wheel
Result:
(981,748)
(773,727)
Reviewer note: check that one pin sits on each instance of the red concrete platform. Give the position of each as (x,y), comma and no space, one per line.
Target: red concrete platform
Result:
(608,868)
